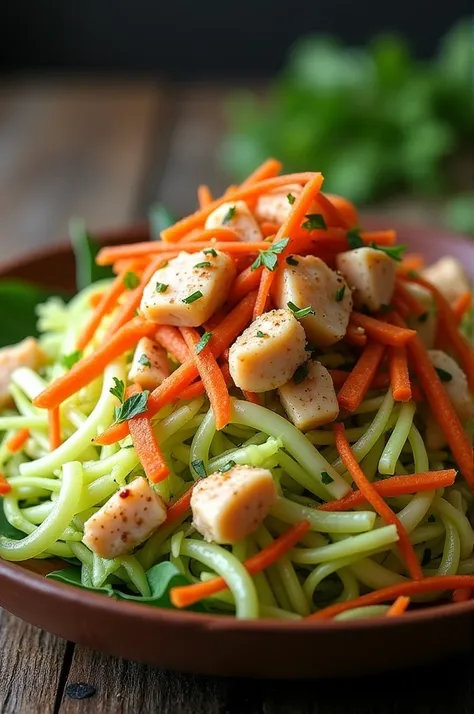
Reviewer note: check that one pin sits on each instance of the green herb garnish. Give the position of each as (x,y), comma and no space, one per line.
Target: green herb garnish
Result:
(353,239)
(291,198)
(261,334)
(210,251)
(70,360)
(118,390)
(268,257)
(205,264)
(300,374)
(300,312)
(340,293)
(203,342)
(326,478)
(229,215)
(315,221)
(144,361)
(393,251)
(161,287)
(131,280)
(193,297)
(131,407)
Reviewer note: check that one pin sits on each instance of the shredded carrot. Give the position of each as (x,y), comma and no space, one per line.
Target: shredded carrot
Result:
(381,331)
(400,305)
(170,338)
(179,507)
(204,196)
(244,283)
(203,240)
(395,486)
(331,214)
(376,501)
(5,487)
(172,387)
(461,305)
(92,366)
(293,221)
(95,299)
(412,261)
(146,446)
(359,380)
(462,595)
(437,583)
(16,442)
(399,377)
(346,209)
(399,606)
(215,319)
(269,229)
(211,377)
(410,300)
(269,169)
(340,376)
(54,422)
(356,336)
(440,404)
(108,301)
(251,397)
(186,595)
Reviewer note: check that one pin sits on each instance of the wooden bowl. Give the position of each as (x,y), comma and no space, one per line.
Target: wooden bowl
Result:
(221,645)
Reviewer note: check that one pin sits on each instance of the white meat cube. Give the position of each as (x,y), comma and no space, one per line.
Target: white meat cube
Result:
(312,283)
(267,353)
(449,276)
(150,365)
(425,325)
(27,353)
(127,519)
(311,402)
(370,274)
(189,289)
(229,506)
(237,216)
(275,206)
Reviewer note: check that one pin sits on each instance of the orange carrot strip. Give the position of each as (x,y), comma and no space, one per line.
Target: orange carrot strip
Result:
(346,209)
(441,405)
(172,387)
(94,300)
(146,446)
(294,221)
(269,229)
(400,306)
(88,368)
(179,507)
(399,606)
(382,331)
(207,239)
(356,336)
(170,338)
(197,388)
(410,300)
(399,377)
(339,377)
(211,377)
(462,595)
(269,169)
(197,219)
(376,501)
(331,214)
(16,442)
(186,595)
(411,261)
(359,380)
(54,428)
(204,196)
(337,238)
(244,283)
(215,319)
(108,301)
(251,397)
(4,486)
(461,305)
(412,587)
(395,486)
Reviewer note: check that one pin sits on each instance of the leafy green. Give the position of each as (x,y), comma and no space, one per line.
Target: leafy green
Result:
(85,249)
(160,218)
(17,316)
(203,342)
(131,407)
(70,360)
(268,257)
(118,390)
(131,280)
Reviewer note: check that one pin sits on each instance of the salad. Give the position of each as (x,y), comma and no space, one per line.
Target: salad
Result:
(267,413)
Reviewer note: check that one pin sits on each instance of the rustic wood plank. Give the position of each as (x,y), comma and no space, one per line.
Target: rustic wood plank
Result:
(72,149)
(30,663)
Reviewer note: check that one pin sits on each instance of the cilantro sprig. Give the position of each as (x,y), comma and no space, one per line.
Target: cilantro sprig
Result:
(269,257)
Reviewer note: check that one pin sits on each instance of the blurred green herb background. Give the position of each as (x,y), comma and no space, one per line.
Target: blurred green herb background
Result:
(377,122)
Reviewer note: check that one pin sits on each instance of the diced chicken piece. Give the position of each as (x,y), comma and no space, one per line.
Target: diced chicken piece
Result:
(311,402)
(188,290)
(267,353)
(27,353)
(150,365)
(425,325)
(371,275)
(312,283)
(449,276)
(127,519)
(237,216)
(229,506)
(455,382)
(275,206)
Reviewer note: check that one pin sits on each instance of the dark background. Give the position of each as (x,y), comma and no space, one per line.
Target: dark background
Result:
(187,39)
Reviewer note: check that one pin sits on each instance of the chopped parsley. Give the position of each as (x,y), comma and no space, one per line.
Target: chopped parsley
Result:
(131,280)
(340,293)
(315,221)
(443,375)
(300,374)
(144,361)
(193,297)
(161,287)
(229,465)
(210,251)
(205,264)
(354,240)
(70,360)
(291,198)
(203,342)
(268,257)
(291,261)
(229,215)
(261,334)
(300,312)
(118,390)
(131,407)
(326,478)
(393,251)
(199,468)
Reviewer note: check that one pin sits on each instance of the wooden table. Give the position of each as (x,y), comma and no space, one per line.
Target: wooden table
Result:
(105,151)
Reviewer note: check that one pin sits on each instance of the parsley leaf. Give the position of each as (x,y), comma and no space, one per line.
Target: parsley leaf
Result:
(205,264)
(443,375)
(354,240)
(199,468)
(291,261)
(300,374)
(315,221)
(268,257)
(326,478)
(144,360)
(161,287)
(229,465)
(340,293)
(193,297)
(136,404)
(131,280)
(203,342)
(393,251)
(291,198)
(229,215)
(300,312)
(71,359)
(210,251)
(118,390)
(261,334)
